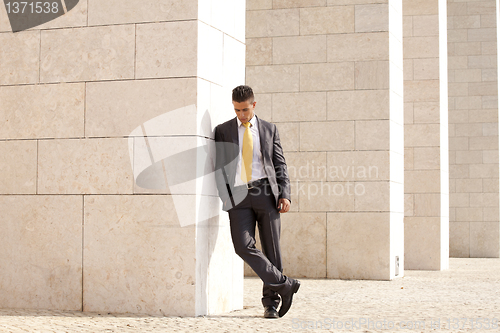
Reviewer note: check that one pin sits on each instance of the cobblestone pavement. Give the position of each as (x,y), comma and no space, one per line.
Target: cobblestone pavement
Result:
(460,299)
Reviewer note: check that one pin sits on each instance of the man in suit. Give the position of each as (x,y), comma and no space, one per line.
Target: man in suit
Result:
(253,184)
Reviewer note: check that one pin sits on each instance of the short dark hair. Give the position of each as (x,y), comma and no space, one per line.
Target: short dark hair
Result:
(242,94)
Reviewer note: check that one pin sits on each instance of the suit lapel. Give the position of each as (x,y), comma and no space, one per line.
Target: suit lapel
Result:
(234,132)
(262,136)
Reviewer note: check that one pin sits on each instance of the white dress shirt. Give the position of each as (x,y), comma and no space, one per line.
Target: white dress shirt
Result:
(257,164)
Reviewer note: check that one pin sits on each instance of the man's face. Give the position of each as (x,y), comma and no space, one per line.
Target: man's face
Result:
(244,110)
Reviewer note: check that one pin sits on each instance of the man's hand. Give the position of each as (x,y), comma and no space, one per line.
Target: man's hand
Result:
(284,205)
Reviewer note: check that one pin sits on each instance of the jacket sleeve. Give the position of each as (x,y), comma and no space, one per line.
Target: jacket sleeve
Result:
(220,163)
(280,167)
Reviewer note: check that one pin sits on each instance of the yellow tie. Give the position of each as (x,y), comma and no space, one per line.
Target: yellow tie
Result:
(247,154)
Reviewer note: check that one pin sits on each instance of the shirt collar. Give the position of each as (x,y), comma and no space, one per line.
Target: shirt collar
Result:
(252,121)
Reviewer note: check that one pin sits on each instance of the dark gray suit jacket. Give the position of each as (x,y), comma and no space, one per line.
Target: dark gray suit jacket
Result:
(227,153)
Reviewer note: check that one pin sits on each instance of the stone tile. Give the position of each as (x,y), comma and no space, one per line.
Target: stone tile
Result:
(372,75)
(408,113)
(298,3)
(490,185)
(353,2)
(421,47)
(483,88)
(490,214)
(358,166)
(482,35)
(426,112)
(459,199)
(51,111)
(372,135)
(459,239)
(149,225)
(488,48)
(468,157)
(468,102)
(19,57)
(327,196)
(303,237)
(490,156)
(358,105)
(327,136)
(264,106)
(468,214)
(422,181)
(259,4)
(408,158)
(289,136)
(259,51)
(176,58)
(295,196)
(78,54)
(332,76)
(483,116)
(484,199)
(423,135)
(372,197)
(272,23)
(358,246)
(409,204)
(466,21)
(426,69)
(346,47)
(457,35)
(420,7)
(299,49)
(303,106)
(422,243)
(482,61)
(467,49)
(425,25)
(326,20)
(484,240)
(457,62)
(84,166)
(426,158)
(129,11)
(306,166)
(427,204)
(373,17)
(278,78)
(459,171)
(18,167)
(108,101)
(407,26)
(41,252)
(483,143)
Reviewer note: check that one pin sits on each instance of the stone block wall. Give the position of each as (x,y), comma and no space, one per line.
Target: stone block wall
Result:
(473,133)
(89,102)
(329,74)
(426,135)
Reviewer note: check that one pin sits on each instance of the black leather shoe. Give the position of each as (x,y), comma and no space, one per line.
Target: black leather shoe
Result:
(286,300)
(270,312)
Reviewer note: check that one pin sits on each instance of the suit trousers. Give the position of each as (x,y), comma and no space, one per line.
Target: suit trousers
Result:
(259,208)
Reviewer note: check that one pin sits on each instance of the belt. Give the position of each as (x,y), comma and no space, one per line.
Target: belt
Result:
(255,183)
